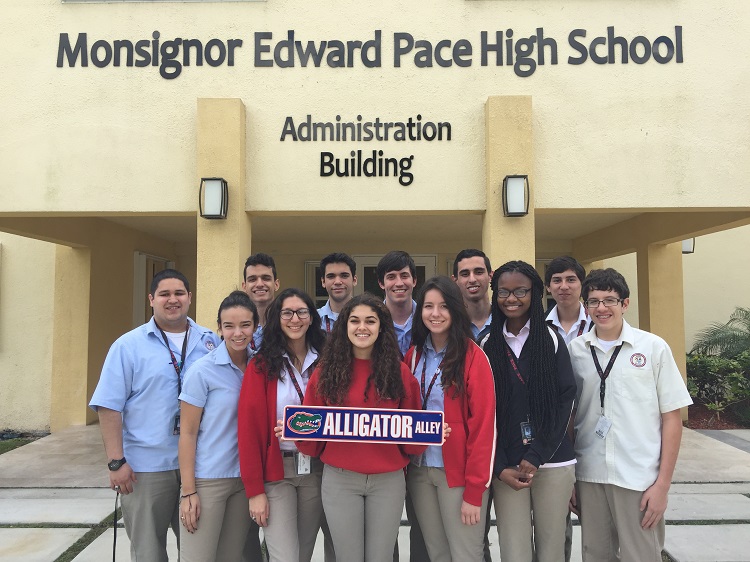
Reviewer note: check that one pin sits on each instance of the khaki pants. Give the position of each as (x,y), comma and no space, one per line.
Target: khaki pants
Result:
(223,524)
(611,521)
(149,511)
(525,537)
(438,509)
(295,514)
(363,512)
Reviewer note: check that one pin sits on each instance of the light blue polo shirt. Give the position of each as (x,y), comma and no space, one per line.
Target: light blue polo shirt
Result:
(325,312)
(436,400)
(213,383)
(478,333)
(257,337)
(139,380)
(403,332)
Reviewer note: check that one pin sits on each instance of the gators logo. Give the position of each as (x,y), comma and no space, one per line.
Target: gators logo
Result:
(304,423)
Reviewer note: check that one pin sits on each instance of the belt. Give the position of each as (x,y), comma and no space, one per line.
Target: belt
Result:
(287,453)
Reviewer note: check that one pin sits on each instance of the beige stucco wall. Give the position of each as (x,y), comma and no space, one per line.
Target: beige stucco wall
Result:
(114,139)
(26,325)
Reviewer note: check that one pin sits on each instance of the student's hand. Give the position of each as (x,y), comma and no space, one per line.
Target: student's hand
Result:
(573,503)
(527,468)
(470,514)
(279,430)
(259,510)
(122,479)
(516,479)
(654,503)
(446,433)
(190,512)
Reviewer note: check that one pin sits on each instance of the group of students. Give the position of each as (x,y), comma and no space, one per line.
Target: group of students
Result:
(526,407)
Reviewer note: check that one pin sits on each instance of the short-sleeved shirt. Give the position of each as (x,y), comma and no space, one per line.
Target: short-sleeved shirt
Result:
(436,399)
(478,334)
(139,380)
(580,327)
(286,393)
(644,383)
(403,331)
(327,317)
(213,383)
(257,338)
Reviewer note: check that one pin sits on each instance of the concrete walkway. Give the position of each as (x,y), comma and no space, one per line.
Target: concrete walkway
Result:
(54,490)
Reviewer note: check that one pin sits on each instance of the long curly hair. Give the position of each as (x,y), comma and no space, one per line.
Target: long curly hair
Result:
(542,383)
(271,352)
(336,363)
(459,332)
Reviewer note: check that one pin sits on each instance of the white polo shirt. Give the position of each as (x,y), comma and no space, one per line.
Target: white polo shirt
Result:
(582,325)
(644,383)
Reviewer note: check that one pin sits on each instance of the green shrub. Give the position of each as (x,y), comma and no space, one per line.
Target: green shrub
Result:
(717,382)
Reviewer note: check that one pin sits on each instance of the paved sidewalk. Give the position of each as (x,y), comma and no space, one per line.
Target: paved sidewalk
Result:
(56,488)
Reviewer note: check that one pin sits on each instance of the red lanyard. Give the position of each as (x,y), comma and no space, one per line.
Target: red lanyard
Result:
(294,381)
(177,366)
(581,328)
(512,360)
(426,395)
(328,325)
(604,374)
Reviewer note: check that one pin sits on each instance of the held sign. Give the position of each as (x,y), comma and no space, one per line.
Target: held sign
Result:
(371,425)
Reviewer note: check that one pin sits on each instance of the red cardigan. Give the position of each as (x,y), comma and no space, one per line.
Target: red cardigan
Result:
(365,458)
(260,454)
(469,451)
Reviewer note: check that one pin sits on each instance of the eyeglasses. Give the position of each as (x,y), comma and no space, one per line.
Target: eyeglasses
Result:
(518,293)
(609,302)
(288,314)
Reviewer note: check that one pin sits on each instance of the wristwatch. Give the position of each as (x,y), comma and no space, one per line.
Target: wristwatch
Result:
(115,464)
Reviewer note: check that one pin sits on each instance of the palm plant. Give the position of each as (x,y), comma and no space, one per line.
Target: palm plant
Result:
(725,340)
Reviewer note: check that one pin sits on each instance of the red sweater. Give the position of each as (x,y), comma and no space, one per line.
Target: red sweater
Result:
(365,458)
(469,451)
(260,454)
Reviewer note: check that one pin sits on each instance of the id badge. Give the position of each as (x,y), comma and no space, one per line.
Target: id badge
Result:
(602,427)
(526,433)
(176,427)
(302,462)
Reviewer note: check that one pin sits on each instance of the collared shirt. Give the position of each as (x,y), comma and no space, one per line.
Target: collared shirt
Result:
(139,380)
(286,393)
(644,383)
(436,400)
(403,331)
(516,342)
(327,317)
(213,383)
(257,338)
(479,333)
(583,320)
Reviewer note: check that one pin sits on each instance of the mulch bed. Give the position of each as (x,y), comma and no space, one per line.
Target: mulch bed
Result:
(700,417)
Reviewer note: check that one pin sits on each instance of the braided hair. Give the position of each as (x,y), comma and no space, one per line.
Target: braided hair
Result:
(337,360)
(542,384)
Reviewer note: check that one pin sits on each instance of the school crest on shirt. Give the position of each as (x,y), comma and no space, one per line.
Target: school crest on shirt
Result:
(303,423)
(210,345)
(638,360)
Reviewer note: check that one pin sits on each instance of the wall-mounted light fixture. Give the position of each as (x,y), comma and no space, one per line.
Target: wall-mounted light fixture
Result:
(688,246)
(516,196)
(213,198)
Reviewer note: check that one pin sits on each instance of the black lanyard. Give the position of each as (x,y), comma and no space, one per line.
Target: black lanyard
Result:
(294,381)
(512,360)
(426,395)
(177,366)
(604,374)
(582,327)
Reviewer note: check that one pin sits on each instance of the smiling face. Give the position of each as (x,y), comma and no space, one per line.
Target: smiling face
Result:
(436,317)
(237,327)
(473,279)
(515,308)
(398,286)
(608,320)
(170,302)
(338,282)
(259,284)
(363,328)
(565,288)
(295,328)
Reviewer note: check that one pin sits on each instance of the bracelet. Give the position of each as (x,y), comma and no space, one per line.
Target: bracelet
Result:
(188,495)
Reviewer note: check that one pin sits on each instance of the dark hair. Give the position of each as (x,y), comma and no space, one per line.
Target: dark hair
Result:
(459,332)
(470,253)
(274,344)
(238,299)
(168,274)
(260,259)
(336,363)
(562,264)
(395,260)
(338,257)
(542,384)
(605,280)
